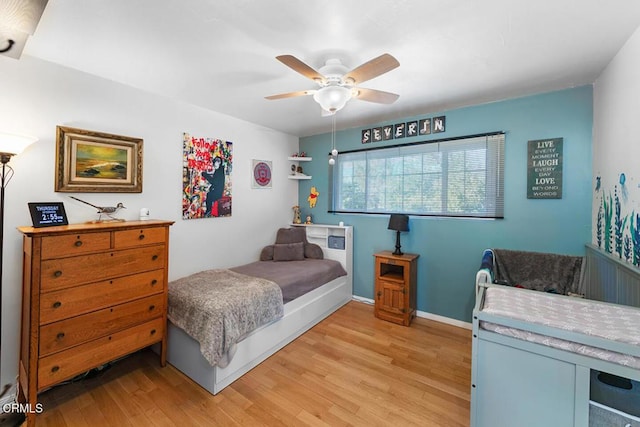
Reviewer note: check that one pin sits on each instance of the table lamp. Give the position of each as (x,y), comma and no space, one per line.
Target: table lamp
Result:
(398,222)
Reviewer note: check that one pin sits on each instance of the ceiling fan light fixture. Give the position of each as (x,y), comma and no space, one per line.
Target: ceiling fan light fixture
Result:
(332,98)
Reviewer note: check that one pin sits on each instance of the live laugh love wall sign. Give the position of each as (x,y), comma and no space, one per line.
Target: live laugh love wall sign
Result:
(544,169)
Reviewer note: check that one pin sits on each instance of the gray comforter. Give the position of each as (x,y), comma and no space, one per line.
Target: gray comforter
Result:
(220,307)
(295,278)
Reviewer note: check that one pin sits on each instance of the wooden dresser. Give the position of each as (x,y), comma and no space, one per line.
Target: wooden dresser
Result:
(395,287)
(91,293)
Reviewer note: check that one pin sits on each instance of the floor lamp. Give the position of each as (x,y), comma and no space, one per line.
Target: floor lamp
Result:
(10,145)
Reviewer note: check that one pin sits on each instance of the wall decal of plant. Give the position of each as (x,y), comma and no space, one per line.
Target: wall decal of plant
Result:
(599,227)
(619,223)
(628,250)
(635,238)
(608,211)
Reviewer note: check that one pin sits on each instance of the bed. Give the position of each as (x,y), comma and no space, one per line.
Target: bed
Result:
(280,274)
(538,357)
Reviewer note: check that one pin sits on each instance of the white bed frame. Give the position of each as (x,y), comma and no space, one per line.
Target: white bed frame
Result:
(300,315)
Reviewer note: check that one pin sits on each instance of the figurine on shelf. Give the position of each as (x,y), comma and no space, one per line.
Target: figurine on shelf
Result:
(308,220)
(302,154)
(296,215)
(293,169)
(294,155)
(299,170)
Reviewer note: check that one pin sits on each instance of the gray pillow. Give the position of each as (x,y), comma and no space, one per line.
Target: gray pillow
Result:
(267,253)
(288,251)
(311,250)
(291,235)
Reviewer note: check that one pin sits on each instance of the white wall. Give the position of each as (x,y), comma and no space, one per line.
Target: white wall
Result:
(36,96)
(616,147)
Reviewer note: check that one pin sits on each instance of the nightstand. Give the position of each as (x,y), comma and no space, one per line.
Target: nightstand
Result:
(395,287)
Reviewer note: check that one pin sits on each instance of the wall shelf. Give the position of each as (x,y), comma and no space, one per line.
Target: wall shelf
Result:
(298,175)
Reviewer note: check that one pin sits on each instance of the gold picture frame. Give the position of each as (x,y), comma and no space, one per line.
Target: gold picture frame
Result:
(96,162)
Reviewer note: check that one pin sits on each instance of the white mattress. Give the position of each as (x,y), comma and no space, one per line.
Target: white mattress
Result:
(607,321)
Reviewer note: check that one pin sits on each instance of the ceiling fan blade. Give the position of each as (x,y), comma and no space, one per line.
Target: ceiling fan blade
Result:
(296,65)
(377,96)
(371,69)
(291,94)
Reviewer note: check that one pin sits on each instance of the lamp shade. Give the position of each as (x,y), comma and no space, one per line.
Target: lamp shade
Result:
(18,20)
(22,15)
(399,222)
(332,98)
(12,144)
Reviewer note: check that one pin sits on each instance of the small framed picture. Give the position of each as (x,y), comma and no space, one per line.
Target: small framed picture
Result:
(424,126)
(387,132)
(261,170)
(439,124)
(376,134)
(366,136)
(47,214)
(412,129)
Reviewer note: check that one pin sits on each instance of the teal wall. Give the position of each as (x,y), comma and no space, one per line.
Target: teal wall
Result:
(450,249)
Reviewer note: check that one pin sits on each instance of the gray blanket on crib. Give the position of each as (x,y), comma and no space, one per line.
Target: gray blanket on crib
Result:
(539,271)
(220,307)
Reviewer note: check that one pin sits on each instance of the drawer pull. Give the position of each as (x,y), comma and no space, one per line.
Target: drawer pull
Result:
(155,257)
(78,243)
(57,304)
(379,294)
(57,273)
(55,368)
(60,335)
(154,282)
(152,307)
(153,332)
(141,237)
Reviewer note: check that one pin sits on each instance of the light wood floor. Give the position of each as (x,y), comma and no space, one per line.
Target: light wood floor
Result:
(351,369)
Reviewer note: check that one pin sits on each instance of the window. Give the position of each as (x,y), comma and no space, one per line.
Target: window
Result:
(460,177)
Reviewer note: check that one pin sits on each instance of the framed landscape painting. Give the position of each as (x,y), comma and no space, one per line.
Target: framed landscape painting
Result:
(96,162)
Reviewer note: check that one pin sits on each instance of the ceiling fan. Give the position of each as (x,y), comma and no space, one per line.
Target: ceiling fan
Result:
(338,85)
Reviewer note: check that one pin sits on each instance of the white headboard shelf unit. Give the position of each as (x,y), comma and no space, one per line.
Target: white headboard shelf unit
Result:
(335,240)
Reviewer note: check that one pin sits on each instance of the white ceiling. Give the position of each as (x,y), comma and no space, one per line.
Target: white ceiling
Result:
(220,55)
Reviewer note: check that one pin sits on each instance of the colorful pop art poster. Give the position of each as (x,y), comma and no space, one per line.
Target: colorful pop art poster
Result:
(206,177)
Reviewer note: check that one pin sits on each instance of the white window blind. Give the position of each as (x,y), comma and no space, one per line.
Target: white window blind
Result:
(459,177)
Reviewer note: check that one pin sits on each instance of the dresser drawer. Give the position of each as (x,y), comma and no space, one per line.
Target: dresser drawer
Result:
(66,272)
(67,333)
(139,237)
(66,364)
(83,299)
(74,244)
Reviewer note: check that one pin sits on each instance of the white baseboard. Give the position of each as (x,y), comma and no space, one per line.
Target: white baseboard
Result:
(362,299)
(442,319)
(425,315)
